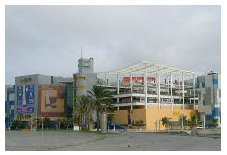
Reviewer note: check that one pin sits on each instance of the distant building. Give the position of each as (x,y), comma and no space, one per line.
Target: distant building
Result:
(210,98)
(69,100)
(9,105)
(85,79)
(146,92)
(40,95)
(143,94)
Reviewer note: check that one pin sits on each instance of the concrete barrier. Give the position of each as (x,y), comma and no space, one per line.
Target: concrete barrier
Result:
(209,132)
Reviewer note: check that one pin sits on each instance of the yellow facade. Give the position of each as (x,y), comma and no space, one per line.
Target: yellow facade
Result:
(153,115)
(121,116)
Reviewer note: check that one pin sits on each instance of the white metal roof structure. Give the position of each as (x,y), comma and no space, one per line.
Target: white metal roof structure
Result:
(151,67)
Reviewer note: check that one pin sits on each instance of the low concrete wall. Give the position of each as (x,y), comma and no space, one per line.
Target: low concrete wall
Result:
(209,131)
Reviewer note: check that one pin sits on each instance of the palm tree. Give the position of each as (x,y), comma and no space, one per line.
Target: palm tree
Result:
(35,122)
(215,122)
(26,117)
(165,121)
(68,122)
(20,117)
(84,110)
(194,120)
(46,122)
(183,120)
(39,122)
(101,100)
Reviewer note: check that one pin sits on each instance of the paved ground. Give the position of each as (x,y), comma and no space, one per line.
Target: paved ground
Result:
(78,141)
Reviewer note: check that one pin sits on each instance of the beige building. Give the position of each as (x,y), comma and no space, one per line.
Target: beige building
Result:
(146,92)
(152,116)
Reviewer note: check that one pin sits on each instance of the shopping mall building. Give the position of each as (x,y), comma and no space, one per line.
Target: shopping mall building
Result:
(143,94)
(41,96)
(146,92)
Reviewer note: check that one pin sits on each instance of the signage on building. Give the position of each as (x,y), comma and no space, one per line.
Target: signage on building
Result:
(25,99)
(81,78)
(137,79)
(25,80)
(52,100)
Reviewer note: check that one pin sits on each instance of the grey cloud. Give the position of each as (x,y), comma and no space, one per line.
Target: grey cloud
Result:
(46,39)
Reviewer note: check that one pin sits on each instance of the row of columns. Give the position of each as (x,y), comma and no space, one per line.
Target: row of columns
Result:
(158,88)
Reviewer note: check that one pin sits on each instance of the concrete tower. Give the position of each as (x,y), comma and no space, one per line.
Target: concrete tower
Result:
(85,79)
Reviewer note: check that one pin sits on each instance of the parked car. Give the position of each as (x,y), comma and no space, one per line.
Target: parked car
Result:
(200,127)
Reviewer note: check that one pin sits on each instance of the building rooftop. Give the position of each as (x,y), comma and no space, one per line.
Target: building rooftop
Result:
(151,67)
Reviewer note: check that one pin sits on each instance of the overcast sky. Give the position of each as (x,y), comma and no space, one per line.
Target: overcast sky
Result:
(46,39)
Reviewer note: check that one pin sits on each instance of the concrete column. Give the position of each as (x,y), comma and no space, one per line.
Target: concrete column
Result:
(194,89)
(131,85)
(179,87)
(204,121)
(171,90)
(103,122)
(145,88)
(106,79)
(156,83)
(157,125)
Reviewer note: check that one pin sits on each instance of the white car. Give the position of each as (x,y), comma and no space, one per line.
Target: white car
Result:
(200,127)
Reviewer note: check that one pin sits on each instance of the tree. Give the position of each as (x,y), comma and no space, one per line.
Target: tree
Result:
(35,122)
(215,122)
(66,123)
(38,122)
(102,101)
(165,121)
(183,120)
(26,117)
(69,122)
(194,121)
(84,111)
(20,117)
(46,122)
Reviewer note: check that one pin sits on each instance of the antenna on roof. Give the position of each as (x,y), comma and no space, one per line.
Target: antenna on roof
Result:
(81,51)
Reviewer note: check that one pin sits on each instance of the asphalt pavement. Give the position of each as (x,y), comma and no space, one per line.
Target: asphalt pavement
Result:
(125,141)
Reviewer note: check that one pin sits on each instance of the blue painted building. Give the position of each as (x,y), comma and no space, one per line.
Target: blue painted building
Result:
(9,105)
(27,92)
(210,97)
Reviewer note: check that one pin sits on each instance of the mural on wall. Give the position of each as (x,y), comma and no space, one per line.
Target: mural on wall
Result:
(52,100)
(25,99)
